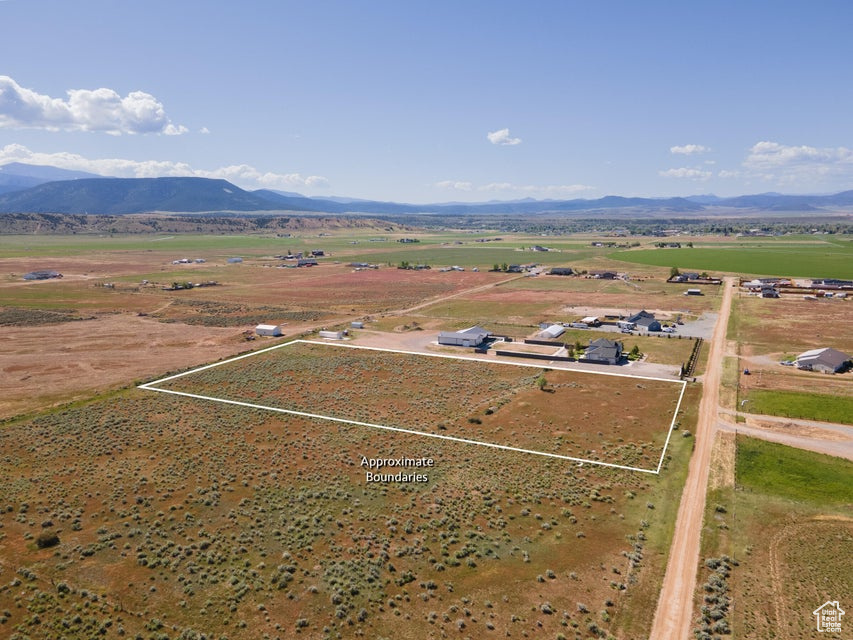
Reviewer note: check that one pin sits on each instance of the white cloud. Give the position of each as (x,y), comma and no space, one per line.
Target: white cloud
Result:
(244,175)
(457,185)
(798,165)
(84,110)
(725,173)
(686,172)
(501,136)
(689,149)
(204,130)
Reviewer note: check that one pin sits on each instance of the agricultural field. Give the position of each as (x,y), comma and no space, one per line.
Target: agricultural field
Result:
(777,542)
(158,516)
(101,327)
(831,258)
(768,331)
(615,420)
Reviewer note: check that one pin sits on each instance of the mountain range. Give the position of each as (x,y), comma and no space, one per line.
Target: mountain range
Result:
(42,189)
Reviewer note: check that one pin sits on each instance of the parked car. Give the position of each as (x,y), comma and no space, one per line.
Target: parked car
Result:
(787,363)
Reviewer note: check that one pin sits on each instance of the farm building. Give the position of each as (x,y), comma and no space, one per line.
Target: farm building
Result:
(591,321)
(645,320)
(826,360)
(42,274)
(306,262)
(268,330)
(603,275)
(552,331)
(603,351)
(561,271)
(693,292)
(470,337)
(769,292)
(234,260)
(356,324)
(332,335)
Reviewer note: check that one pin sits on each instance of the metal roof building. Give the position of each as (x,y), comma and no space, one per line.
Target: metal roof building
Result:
(826,360)
(470,337)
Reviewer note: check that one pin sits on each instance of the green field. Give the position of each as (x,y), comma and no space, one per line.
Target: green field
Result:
(830,260)
(482,256)
(808,406)
(775,545)
(793,474)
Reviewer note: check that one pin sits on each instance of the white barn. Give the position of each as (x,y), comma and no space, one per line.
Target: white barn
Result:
(273,330)
(470,337)
(552,331)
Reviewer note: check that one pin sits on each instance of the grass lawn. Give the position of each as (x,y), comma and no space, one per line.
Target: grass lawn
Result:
(808,406)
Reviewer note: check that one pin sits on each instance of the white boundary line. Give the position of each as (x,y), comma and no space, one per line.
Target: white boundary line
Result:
(149,386)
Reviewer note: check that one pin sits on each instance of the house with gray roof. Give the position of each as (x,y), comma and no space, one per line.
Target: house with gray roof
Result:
(603,351)
(645,320)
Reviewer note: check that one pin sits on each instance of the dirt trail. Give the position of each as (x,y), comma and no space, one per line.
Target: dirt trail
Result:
(674,613)
(444,298)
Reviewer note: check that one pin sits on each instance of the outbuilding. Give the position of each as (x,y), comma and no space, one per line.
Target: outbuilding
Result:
(332,335)
(826,360)
(470,337)
(552,331)
(272,330)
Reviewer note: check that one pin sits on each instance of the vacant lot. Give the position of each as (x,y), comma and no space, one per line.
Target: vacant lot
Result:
(173,517)
(597,417)
(777,545)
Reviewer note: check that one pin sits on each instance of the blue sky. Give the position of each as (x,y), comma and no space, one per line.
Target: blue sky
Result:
(436,101)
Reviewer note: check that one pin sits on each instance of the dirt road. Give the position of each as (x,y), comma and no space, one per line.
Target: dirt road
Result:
(673,617)
(822,437)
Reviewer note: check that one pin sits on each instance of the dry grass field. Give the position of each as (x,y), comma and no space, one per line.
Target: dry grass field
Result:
(618,420)
(126,513)
(153,516)
(777,543)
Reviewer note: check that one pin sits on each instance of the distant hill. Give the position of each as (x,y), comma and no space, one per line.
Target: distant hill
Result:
(117,196)
(133,195)
(45,173)
(16,176)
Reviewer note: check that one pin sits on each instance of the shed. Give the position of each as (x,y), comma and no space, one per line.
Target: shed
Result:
(234,260)
(693,292)
(591,321)
(470,337)
(332,335)
(268,330)
(356,325)
(552,331)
